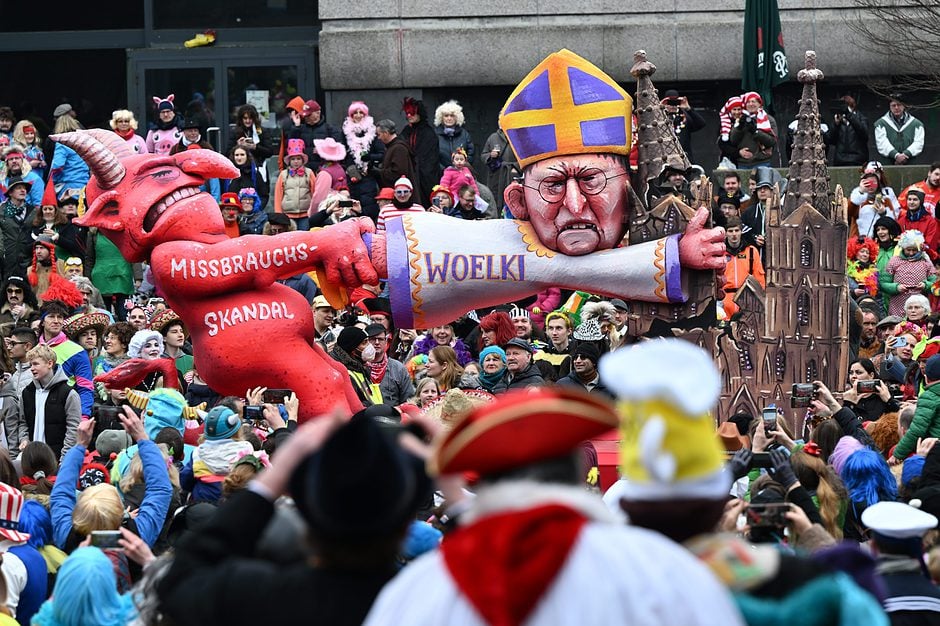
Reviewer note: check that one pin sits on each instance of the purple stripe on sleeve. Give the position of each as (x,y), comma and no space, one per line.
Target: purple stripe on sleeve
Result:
(399,273)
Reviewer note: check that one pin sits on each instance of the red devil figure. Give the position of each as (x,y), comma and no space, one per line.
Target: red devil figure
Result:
(247,329)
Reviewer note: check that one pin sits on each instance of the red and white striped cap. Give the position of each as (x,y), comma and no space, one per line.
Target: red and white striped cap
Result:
(11,503)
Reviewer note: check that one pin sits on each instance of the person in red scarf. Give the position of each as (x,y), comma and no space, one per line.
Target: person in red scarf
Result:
(390,375)
(124,124)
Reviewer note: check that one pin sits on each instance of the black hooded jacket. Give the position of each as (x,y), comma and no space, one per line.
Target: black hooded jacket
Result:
(423,142)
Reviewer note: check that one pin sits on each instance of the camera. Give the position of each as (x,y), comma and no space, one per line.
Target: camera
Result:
(768,515)
(345,204)
(106,539)
(673,102)
(275,396)
(838,107)
(866,386)
(254,414)
(436,202)
(769,415)
(105,413)
(802,395)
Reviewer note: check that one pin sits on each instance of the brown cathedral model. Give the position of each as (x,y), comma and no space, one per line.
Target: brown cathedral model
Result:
(795,331)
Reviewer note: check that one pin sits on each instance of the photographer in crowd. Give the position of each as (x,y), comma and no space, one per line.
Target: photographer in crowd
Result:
(867,395)
(848,133)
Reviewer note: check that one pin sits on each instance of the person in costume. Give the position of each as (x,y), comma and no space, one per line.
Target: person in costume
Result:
(910,272)
(294,188)
(213,459)
(460,173)
(24,134)
(555,537)
(87,330)
(753,134)
(860,267)
(165,131)
(365,150)
(125,125)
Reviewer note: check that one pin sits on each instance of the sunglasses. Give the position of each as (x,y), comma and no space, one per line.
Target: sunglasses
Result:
(14,290)
(402,192)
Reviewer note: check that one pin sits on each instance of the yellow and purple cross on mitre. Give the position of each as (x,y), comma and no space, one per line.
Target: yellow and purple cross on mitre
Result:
(567,105)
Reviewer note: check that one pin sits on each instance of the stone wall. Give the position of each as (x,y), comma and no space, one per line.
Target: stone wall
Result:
(476,52)
(417,44)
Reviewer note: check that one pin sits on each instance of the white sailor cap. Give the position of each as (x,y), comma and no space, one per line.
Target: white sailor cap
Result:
(898,520)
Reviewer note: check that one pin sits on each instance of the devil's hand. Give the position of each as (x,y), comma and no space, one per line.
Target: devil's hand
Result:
(702,248)
(344,255)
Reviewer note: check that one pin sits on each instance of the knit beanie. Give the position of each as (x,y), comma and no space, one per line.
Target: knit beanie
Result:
(350,338)
(492,350)
(588,351)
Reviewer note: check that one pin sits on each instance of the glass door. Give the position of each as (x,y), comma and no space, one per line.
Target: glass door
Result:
(213,82)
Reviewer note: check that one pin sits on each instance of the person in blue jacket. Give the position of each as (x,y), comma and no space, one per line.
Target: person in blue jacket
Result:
(100,507)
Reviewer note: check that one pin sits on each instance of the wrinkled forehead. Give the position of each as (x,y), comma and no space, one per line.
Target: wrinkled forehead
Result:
(577,163)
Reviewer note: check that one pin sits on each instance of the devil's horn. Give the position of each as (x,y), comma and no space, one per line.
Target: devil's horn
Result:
(102,150)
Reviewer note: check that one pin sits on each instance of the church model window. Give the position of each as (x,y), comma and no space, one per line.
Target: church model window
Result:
(802,309)
(806,253)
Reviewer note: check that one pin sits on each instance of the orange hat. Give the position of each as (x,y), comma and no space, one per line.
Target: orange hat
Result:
(297,104)
(520,428)
(731,439)
(386,193)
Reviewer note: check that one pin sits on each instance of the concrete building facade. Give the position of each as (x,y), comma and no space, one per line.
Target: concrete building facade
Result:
(477,51)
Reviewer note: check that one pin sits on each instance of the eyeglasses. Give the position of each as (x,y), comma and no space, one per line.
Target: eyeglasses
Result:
(19,343)
(377,339)
(402,192)
(591,181)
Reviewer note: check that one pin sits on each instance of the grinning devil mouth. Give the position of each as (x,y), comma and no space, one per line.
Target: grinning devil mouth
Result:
(161,207)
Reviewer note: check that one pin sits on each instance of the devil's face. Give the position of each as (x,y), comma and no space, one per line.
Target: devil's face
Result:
(158,200)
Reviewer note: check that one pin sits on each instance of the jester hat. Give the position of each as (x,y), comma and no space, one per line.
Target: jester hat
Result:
(567,105)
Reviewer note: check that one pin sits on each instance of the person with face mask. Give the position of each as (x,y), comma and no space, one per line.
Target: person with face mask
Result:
(354,352)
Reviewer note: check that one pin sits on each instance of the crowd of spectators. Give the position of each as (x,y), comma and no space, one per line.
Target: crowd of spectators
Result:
(108,496)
